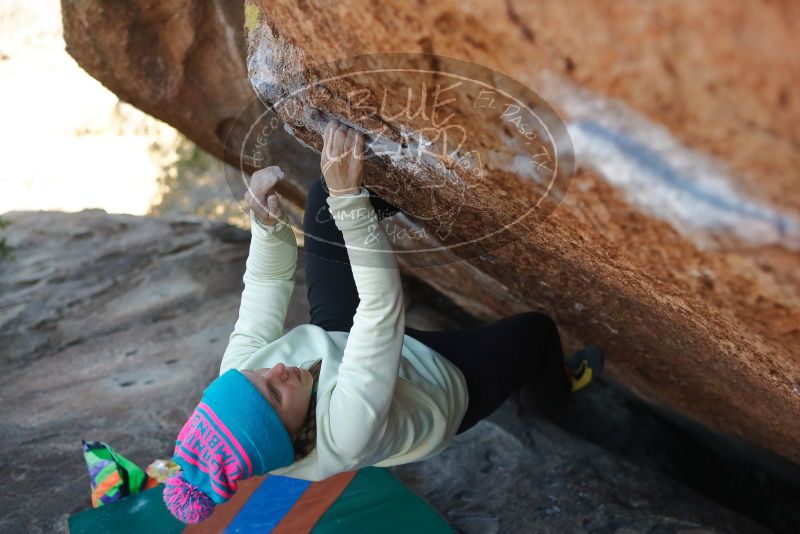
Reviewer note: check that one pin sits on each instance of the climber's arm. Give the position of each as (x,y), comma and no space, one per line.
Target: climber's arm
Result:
(268,286)
(360,401)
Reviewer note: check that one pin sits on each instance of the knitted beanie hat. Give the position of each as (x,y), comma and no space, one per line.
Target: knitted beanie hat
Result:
(233,434)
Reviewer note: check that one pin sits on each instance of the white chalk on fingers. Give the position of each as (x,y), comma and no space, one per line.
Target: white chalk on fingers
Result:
(275,170)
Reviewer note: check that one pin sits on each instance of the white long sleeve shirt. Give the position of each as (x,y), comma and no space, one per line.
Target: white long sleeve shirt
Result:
(383,398)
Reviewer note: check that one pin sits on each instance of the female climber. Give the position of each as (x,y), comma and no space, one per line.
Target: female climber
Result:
(355,387)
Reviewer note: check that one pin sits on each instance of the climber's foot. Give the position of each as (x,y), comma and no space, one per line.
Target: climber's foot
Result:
(584,367)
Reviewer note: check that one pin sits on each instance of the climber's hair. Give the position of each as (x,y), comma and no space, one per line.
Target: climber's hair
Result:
(306,438)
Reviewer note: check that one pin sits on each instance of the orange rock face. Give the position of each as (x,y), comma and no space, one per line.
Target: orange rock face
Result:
(677,243)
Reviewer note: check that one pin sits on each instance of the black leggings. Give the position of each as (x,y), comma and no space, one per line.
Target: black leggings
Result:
(496,359)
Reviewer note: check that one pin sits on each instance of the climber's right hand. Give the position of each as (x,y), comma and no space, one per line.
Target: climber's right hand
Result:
(342,159)
(261,196)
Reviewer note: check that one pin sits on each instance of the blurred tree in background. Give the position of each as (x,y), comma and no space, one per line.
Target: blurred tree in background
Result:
(192,182)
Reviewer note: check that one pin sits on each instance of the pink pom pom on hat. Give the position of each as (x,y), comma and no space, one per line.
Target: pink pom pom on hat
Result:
(186,502)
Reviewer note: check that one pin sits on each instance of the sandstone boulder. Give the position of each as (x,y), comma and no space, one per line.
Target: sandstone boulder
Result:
(677,244)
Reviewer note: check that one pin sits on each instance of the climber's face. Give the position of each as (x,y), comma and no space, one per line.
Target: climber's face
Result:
(287,389)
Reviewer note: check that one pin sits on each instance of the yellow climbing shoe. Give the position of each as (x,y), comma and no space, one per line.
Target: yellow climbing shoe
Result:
(584,367)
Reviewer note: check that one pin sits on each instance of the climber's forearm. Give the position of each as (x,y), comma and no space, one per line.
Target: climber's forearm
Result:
(268,287)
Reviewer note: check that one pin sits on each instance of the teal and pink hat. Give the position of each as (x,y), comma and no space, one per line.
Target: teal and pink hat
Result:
(232,434)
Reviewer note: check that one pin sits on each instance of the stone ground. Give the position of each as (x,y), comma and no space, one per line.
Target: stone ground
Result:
(111,325)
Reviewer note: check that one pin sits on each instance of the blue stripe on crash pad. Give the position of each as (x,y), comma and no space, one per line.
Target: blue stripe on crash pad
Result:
(267,505)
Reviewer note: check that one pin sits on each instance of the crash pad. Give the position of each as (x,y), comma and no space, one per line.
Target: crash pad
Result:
(367,500)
